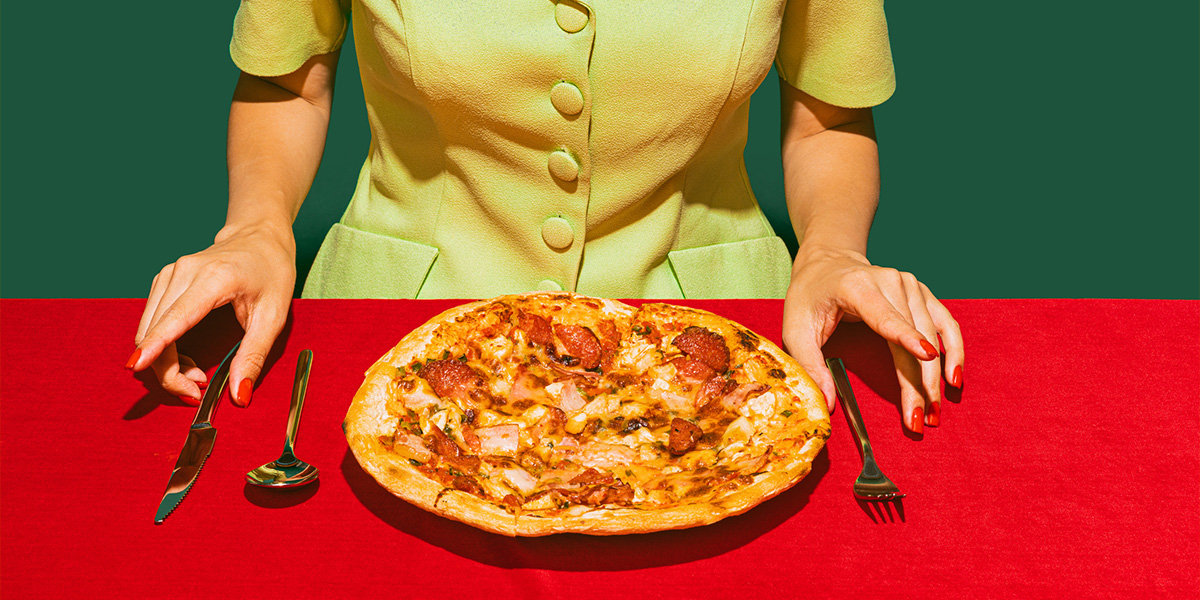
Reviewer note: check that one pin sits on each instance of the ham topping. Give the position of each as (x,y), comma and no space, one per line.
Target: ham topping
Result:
(579,343)
(567,395)
(683,436)
(415,446)
(599,454)
(500,439)
(527,385)
(734,400)
(705,346)
(448,377)
(556,477)
(418,399)
(595,454)
(520,478)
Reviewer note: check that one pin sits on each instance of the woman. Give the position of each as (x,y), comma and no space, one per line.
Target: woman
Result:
(559,145)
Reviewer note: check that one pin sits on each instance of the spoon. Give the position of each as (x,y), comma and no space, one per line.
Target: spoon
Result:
(288,471)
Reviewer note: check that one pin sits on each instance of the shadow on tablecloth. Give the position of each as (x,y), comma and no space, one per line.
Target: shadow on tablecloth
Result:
(868,358)
(206,344)
(577,552)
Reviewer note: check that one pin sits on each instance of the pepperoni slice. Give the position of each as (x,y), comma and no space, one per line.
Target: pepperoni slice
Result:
(684,435)
(448,377)
(705,346)
(537,328)
(580,343)
(591,476)
(691,368)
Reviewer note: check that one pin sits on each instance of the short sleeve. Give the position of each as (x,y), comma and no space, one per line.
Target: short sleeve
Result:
(837,50)
(276,37)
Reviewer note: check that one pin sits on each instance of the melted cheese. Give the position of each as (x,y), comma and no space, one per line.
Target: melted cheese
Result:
(638,388)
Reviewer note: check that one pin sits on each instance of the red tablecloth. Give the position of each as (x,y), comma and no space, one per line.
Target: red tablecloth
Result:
(1066,468)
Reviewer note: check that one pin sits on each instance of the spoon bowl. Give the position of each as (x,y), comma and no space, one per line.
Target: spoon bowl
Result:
(288,471)
(280,473)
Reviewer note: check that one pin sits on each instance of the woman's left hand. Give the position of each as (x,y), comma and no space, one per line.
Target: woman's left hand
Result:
(829,284)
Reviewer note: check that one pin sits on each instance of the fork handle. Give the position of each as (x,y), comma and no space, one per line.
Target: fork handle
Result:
(850,406)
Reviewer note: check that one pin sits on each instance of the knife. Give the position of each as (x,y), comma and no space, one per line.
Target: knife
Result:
(199,444)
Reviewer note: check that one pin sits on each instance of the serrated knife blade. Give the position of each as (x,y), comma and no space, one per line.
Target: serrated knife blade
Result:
(199,443)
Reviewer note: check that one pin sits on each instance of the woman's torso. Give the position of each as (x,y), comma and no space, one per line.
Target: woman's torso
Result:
(594,147)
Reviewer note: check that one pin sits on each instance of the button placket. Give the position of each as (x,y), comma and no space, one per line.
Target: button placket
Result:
(567,162)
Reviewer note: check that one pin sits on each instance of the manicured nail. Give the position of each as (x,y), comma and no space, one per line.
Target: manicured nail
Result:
(929,349)
(243,393)
(918,418)
(133,358)
(189,400)
(202,384)
(956,378)
(934,416)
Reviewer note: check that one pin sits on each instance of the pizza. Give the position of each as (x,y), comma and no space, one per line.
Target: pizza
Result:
(544,413)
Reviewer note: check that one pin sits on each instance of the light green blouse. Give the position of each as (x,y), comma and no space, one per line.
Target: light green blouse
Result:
(592,146)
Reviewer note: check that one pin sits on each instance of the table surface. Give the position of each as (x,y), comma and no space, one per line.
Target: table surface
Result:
(1067,467)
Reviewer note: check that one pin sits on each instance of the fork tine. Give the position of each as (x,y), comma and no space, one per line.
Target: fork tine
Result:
(871,484)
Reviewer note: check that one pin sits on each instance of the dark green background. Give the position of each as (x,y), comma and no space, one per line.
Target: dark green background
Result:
(1032,149)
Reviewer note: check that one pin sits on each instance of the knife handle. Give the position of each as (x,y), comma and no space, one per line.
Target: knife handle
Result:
(216,387)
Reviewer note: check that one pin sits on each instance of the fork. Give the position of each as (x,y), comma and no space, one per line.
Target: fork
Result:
(871,484)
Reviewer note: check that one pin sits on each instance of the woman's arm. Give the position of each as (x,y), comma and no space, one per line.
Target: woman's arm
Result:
(831,180)
(277,129)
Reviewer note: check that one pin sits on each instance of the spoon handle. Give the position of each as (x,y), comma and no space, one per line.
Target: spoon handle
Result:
(299,388)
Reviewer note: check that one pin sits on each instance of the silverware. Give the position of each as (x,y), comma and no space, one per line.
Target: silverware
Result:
(199,444)
(289,471)
(871,483)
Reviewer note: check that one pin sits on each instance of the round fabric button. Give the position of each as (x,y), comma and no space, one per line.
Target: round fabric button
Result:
(571,16)
(549,285)
(563,165)
(566,98)
(557,233)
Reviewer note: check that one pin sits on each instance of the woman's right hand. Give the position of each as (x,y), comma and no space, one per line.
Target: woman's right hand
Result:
(277,130)
(254,269)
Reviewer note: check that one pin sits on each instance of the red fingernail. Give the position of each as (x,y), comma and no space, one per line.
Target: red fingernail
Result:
(189,400)
(133,358)
(929,349)
(202,384)
(956,378)
(243,393)
(918,418)
(934,417)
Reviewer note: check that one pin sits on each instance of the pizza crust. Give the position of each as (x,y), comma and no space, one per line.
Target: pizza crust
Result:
(368,418)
